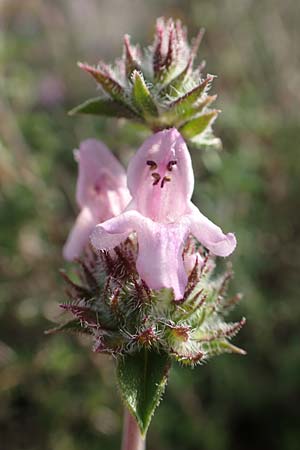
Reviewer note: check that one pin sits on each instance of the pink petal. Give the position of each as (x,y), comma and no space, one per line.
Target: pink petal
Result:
(163,156)
(99,171)
(113,232)
(79,235)
(209,234)
(114,203)
(159,261)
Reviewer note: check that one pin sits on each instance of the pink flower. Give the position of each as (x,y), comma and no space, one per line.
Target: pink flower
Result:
(161,181)
(101,193)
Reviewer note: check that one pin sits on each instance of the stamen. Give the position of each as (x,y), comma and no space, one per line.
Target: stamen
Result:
(152,165)
(164,180)
(171,164)
(156,177)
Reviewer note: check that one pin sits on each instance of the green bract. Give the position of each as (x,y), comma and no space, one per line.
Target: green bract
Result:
(159,86)
(145,330)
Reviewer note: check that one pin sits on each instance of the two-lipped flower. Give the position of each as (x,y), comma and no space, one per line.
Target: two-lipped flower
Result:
(155,206)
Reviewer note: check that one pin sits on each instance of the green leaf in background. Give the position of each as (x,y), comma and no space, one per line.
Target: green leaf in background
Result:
(142,96)
(142,378)
(100,106)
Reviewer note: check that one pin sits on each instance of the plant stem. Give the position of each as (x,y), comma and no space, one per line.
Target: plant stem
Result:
(132,438)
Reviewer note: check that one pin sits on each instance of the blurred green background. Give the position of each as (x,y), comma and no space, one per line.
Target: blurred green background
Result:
(54,393)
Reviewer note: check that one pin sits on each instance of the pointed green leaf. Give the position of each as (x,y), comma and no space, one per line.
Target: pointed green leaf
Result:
(189,105)
(198,125)
(72,326)
(196,109)
(176,83)
(196,44)
(75,290)
(168,65)
(216,347)
(183,112)
(103,77)
(157,52)
(84,313)
(100,106)
(223,330)
(142,379)
(207,141)
(142,96)
(193,95)
(131,63)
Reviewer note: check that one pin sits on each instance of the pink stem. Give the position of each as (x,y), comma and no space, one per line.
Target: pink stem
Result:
(132,438)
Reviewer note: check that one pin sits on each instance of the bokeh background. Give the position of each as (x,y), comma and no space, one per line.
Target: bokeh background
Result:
(54,393)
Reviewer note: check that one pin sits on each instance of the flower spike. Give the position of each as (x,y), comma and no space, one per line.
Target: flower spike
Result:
(148,294)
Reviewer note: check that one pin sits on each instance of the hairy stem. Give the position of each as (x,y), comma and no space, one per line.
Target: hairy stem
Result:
(132,438)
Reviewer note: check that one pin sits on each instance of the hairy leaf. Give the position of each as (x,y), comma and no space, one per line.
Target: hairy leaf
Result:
(217,347)
(142,379)
(142,96)
(103,77)
(189,112)
(198,125)
(84,313)
(131,63)
(187,100)
(206,140)
(100,106)
(72,326)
